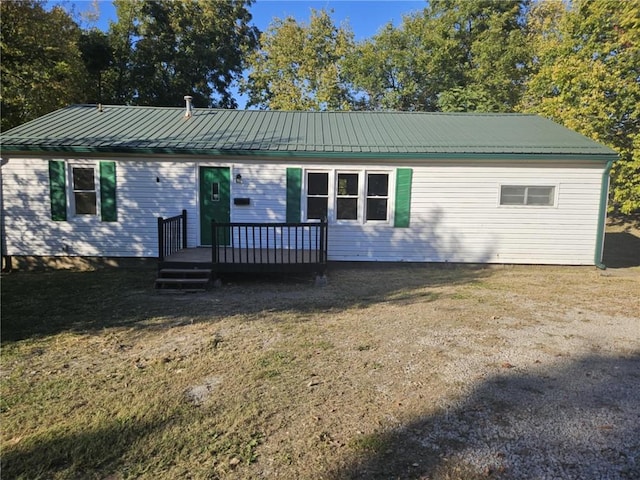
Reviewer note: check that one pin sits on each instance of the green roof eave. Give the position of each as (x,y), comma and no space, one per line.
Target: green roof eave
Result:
(22,149)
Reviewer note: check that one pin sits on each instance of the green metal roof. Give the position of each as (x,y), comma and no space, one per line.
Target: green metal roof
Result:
(163,130)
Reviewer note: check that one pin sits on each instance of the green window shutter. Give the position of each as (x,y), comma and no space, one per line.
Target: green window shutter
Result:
(108,207)
(294,192)
(58,190)
(403,197)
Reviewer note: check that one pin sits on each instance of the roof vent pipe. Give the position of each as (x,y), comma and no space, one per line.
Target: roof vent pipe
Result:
(189,111)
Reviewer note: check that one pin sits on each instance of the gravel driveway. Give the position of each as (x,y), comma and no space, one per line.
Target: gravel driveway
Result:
(554,397)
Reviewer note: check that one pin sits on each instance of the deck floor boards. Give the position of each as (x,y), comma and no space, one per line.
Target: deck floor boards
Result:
(228,255)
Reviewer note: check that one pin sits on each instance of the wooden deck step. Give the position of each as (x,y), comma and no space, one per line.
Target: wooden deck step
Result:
(183,279)
(184,271)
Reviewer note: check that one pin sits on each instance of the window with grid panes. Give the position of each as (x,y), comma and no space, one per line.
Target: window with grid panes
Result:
(377,200)
(347,193)
(527,195)
(84,190)
(317,195)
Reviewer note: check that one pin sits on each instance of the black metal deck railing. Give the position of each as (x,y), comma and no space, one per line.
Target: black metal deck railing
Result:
(269,247)
(172,235)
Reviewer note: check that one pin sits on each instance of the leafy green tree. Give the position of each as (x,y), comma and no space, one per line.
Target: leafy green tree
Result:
(388,71)
(298,65)
(97,56)
(164,50)
(458,55)
(41,66)
(586,76)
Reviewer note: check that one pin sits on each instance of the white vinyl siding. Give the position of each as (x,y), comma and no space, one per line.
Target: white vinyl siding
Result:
(145,191)
(264,184)
(456,214)
(141,199)
(456,217)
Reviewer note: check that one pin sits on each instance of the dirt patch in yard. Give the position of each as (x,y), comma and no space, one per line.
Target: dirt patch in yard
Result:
(389,371)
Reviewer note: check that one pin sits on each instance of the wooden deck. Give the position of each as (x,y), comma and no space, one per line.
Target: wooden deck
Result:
(246,260)
(190,255)
(244,247)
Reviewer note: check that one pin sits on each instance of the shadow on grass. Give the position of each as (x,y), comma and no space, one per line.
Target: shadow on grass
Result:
(46,303)
(579,421)
(92,453)
(621,250)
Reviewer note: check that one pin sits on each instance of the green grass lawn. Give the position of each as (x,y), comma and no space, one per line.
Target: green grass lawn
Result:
(102,377)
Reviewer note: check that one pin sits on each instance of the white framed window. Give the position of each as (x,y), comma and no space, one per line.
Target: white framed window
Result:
(347,196)
(528,195)
(317,195)
(83,189)
(84,199)
(377,197)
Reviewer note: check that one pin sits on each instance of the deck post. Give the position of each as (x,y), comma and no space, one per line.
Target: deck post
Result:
(323,241)
(184,229)
(214,242)
(172,235)
(160,239)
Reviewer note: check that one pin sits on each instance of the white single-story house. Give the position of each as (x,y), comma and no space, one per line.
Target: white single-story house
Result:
(92,181)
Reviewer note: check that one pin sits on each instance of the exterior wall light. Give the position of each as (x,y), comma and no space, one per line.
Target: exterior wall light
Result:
(238,178)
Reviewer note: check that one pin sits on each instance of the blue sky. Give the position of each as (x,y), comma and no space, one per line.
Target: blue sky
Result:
(365,17)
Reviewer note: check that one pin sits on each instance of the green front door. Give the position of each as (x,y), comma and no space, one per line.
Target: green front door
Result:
(215,202)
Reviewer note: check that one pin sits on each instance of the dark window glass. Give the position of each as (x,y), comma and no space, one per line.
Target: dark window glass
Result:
(316,208)
(347,208)
(83,179)
(317,195)
(318,184)
(347,196)
(85,203)
(376,208)
(84,191)
(378,185)
(347,184)
(377,196)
